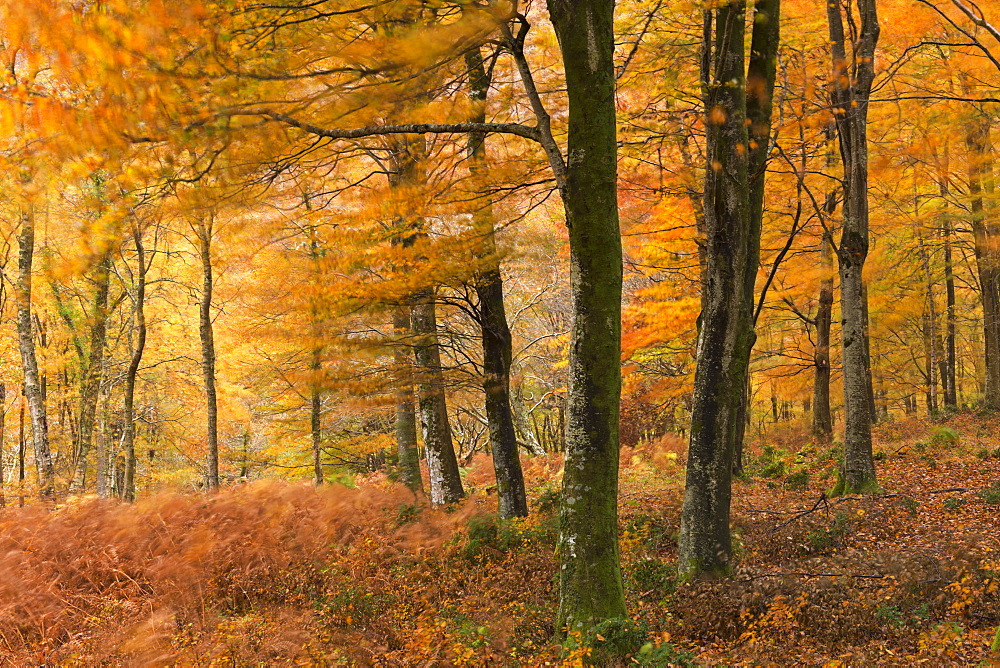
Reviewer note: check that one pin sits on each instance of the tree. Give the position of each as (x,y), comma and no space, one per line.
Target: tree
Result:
(850,90)
(26,341)
(733,205)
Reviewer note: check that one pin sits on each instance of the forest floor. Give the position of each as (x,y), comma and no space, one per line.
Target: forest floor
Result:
(278,573)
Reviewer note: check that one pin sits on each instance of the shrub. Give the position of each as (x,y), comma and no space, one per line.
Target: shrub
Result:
(991,494)
(942,435)
(797,480)
(652,575)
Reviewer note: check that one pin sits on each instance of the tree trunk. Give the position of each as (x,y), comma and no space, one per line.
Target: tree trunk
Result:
(822,419)
(930,333)
(406,418)
(951,322)
(590,580)
(103,453)
(761,76)
(496,338)
(26,343)
(205,330)
(850,91)
(3,416)
(20,453)
(91,387)
(128,484)
(445,481)
(316,366)
(986,235)
(725,328)
(733,206)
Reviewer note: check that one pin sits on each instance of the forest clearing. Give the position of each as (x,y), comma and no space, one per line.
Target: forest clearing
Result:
(287,574)
(431,332)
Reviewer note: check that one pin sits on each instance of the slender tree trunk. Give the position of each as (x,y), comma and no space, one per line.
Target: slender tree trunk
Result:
(207,335)
(930,332)
(445,481)
(3,432)
(406,418)
(760,80)
(496,338)
(986,235)
(850,92)
(822,422)
(128,485)
(91,387)
(102,447)
(20,453)
(316,366)
(26,342)
(951,322)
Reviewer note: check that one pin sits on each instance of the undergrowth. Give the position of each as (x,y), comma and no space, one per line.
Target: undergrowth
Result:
(272,573)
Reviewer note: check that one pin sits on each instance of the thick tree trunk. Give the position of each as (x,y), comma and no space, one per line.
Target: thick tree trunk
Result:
(26,343)
(733,211)
(822,419)
(103,453)
(205,330)
(986,235)
(496,338)
(406,418)
(90,389)
(445,481)
(590,581)
(128,485)
(850,91)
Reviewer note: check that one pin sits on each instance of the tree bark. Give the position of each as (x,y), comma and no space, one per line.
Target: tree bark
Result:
(725,335)
(495,332)
(3,416)
(986,236)
(205,330)
(26,343)
(90,389)
(822,418)
(733,212)
(406,418)
(590,581)
(850,91)
(445,481)
(128,486)
(951,322)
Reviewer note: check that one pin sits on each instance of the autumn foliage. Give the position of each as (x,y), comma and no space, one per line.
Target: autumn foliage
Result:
(281,573)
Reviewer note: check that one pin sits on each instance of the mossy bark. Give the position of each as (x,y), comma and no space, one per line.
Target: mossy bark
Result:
(733,212)
(590,580)
(849,96)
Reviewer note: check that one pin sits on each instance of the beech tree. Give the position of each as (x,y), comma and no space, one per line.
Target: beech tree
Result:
(850,90)
(736,96)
